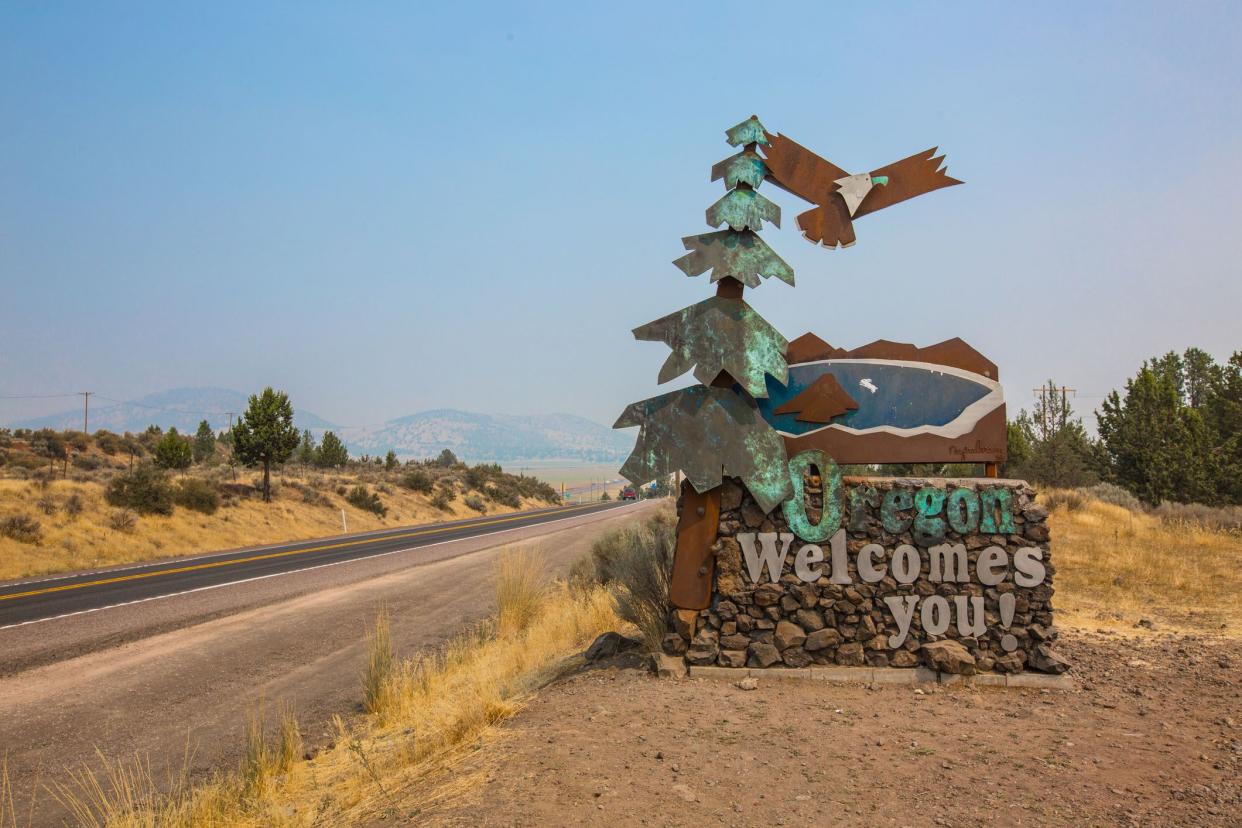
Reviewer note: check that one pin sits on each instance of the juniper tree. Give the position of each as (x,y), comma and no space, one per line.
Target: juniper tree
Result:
(265,434)
(332,452)
(173,451)
(204,442)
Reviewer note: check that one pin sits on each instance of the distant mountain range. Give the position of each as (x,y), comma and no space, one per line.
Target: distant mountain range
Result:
(471,436)
(492,437)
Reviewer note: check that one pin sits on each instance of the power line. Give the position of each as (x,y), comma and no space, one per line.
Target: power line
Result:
(37,396)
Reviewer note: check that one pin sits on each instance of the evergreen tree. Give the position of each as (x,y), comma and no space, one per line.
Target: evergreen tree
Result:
(1052,447)
(204,443)
(1157,446)
(390,460)
(306,449)
(265,434)
(332,452)
(173,451)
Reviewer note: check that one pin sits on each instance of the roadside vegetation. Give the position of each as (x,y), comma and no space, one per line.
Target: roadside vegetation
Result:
(1117,561)
(423,714)
(70,500)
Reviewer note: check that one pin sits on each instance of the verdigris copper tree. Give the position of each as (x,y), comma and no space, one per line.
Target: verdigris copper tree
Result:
(714,429)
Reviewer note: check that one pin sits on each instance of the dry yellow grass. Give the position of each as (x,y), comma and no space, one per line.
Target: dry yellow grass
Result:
(87,540)
(435,709)
(1115,566)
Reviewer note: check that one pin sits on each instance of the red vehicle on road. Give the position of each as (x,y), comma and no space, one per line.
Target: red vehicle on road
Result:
(628,493)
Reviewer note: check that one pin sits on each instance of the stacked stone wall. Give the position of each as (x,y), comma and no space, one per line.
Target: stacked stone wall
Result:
(792,622)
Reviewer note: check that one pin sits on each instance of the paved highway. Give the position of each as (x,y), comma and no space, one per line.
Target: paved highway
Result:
(32,601)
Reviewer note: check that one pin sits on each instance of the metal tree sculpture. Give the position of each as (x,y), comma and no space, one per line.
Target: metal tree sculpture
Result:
(714,430)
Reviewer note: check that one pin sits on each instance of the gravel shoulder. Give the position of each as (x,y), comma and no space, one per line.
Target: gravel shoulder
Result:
(1152,736)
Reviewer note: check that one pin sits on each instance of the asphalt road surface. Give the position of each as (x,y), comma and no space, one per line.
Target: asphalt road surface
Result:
(157,659)
(38,600)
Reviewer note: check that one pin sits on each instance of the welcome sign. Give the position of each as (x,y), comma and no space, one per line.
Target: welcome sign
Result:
(888,572)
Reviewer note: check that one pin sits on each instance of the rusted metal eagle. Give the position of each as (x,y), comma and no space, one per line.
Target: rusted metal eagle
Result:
(842,197)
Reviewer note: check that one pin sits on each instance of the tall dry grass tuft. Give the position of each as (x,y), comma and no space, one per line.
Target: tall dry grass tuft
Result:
(8,813)
(1114,565)
(520,579)
(289,742)
(636,563)
(378,678)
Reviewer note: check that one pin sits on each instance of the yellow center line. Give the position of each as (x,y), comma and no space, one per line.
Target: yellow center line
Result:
(270,555)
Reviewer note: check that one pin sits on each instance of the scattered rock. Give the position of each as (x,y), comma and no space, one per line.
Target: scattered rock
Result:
(747,683)
(1046,661)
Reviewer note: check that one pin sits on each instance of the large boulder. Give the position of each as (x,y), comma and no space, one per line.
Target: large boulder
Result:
(948,657)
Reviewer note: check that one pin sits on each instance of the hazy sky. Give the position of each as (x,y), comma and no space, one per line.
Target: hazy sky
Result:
(384,208)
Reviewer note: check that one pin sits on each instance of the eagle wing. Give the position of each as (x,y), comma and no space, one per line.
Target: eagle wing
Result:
(910,177)
(795,168)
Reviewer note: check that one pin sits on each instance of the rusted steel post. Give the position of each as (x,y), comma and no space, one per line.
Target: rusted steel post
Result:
(690,587)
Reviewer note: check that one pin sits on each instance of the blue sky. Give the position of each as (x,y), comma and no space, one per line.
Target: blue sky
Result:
(384,208)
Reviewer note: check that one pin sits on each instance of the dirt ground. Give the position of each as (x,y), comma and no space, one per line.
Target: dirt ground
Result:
(1151,736)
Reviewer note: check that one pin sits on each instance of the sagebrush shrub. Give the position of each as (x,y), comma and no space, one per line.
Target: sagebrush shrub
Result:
(1114,494)
(198,495)
(22,528)
(146,490)
(367,501)
(418,480)
(122,520)
(475,502)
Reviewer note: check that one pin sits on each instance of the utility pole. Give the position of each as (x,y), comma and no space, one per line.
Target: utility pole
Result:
(86,410)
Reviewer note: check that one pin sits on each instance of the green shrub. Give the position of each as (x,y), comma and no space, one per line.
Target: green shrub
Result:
(198,495)
(475,502)
(442,499)
(418,480)
(22,528)
(107,442)
(367,501)
(173,451)
(146,490)
(503,492)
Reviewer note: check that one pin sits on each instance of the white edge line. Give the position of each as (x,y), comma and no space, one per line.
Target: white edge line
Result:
(303,569)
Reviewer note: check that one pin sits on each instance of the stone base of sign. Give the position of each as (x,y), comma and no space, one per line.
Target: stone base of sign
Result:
(885,675)
(916,577)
